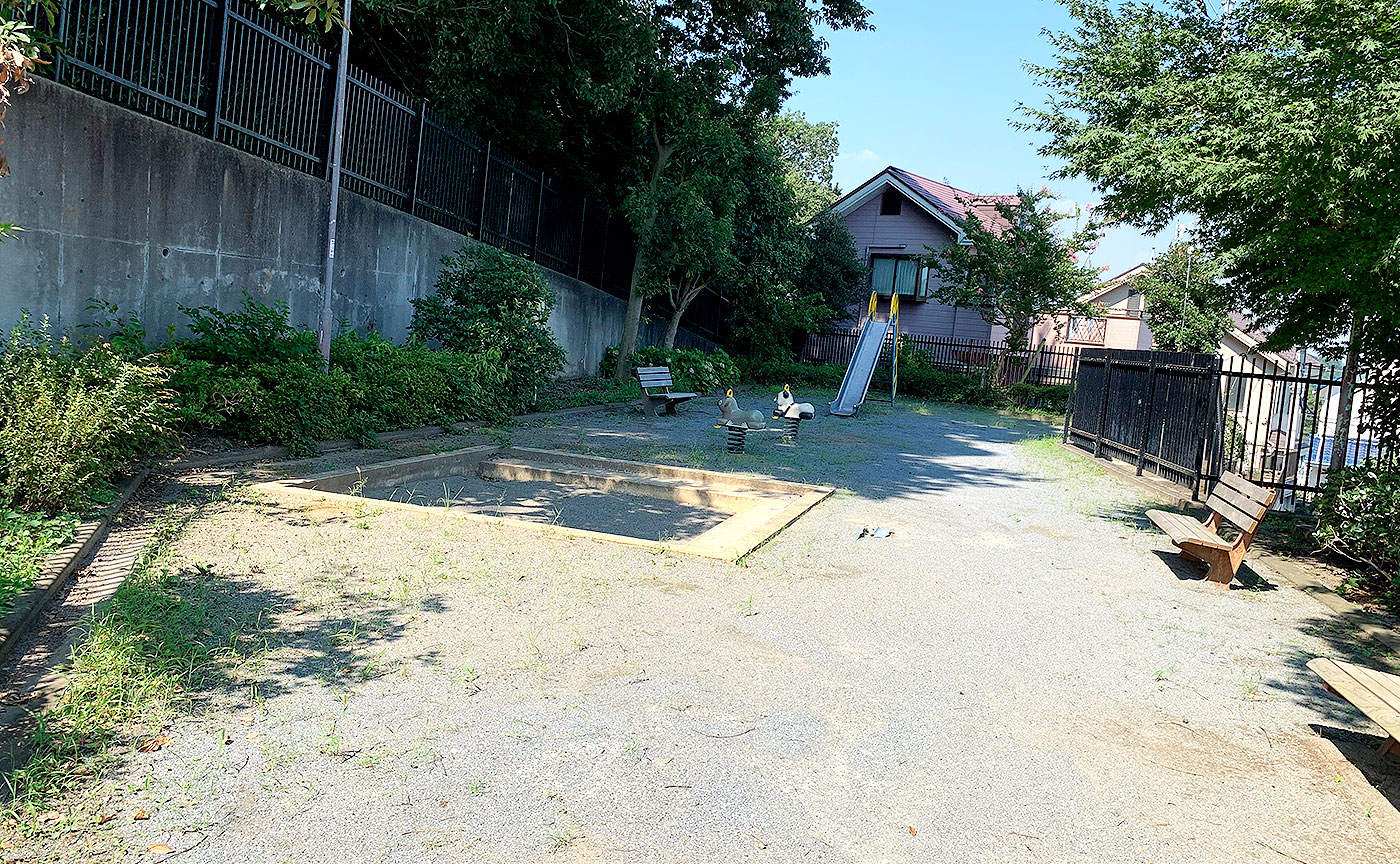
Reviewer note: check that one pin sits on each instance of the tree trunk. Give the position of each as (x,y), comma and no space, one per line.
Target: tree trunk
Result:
(682,302)
(632,322)
(1341,438)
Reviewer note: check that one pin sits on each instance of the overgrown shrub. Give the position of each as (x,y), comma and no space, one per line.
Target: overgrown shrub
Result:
(487,300)
(1358,517)
(250,375)
(71,418)
(691,369)
(1043,397)
(776,371)
(26,542)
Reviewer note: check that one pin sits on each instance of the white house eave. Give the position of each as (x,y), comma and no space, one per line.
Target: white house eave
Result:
(864,192)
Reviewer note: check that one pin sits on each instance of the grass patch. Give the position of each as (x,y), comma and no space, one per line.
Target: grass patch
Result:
(577,392)
(1055,462)
(166,633)
(26,542)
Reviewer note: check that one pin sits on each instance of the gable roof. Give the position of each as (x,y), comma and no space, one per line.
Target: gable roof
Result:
(947,204)
(1240,328)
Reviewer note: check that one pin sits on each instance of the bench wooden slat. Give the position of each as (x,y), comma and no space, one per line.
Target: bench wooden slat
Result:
(1384,685)
(1355,684)
(1233,513)
(1181,528)
(1250,510)
(1249,490)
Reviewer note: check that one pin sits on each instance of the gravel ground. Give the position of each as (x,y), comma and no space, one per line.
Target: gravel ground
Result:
(1019,672)
(628,515)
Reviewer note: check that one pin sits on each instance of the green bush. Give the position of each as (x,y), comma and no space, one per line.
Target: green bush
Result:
(691,369)
(487,300)
(26,542)
(1043,397)
(250,375)
(71,418)
(776,371)
(1358,517)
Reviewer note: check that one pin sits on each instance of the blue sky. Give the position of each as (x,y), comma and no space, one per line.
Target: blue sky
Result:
(933,90)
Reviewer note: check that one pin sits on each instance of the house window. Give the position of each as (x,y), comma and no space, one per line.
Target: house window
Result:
(1134,303)
(891,274)
(891,203)
(1090,330)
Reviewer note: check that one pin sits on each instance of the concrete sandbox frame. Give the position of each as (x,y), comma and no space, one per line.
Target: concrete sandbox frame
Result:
(759,507)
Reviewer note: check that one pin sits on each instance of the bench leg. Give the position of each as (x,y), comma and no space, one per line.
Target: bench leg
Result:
(1221,566)
(1389,746)
(670,407)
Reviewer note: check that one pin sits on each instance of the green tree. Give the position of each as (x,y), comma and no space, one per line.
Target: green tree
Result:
(1279,127)
(488,301)
(741,55)
(808,152)
(1015,270)
(1185,306)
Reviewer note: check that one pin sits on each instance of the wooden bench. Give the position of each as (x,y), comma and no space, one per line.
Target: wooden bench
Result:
(1376,694)
(658,378)
(1234,500)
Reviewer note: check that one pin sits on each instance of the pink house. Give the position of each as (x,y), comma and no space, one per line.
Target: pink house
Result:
(1118,324)
(895,217)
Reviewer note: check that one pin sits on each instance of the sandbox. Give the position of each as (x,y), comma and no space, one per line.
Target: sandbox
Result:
(710,514)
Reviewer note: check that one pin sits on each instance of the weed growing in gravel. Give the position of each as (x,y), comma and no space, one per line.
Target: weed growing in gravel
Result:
(166,633)
(562,838)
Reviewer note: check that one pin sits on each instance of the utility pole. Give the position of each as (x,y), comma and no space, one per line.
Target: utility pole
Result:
(323,337)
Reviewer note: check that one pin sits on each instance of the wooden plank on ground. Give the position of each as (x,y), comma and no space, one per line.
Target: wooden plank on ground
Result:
(1354,684)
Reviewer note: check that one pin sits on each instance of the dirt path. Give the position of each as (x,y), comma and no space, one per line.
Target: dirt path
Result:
(1017,673)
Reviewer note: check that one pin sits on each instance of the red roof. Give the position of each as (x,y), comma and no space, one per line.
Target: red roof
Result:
(952,200)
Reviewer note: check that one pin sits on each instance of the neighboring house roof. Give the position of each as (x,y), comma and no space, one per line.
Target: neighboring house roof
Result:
(1127,275)
(1240,329)
(947,204)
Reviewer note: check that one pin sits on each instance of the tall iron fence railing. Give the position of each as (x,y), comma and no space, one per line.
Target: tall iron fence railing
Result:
(1280,423)
(224,70)
(1042,365)
(1192,417)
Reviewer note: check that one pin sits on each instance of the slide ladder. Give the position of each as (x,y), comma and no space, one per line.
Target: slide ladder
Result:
(856,382)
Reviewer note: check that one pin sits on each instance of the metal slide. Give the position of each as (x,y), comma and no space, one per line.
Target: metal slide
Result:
(857,379)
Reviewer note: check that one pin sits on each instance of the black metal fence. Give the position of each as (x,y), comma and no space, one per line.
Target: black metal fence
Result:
(222,69)
(969,356)
(1280,424)
(1155,409)
(1192,417)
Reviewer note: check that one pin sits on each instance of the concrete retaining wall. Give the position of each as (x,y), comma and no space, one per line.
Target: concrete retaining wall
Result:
(131,211)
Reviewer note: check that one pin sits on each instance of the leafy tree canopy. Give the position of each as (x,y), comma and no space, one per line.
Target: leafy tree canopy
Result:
(1279,127)
(809,156)
(1185,306)
(1015,269)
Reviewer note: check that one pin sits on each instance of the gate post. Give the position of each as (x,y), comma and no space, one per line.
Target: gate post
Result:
(1103,404)
(1147,419)
(1069,405)
(1206,425)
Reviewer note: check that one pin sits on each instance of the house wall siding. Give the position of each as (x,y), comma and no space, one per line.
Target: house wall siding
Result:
(918,232)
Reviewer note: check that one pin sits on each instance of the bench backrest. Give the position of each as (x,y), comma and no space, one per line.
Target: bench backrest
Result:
(654,376)
(1240,502)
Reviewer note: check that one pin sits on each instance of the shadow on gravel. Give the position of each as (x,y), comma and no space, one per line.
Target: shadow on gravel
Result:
(1190,571)
(1362,751)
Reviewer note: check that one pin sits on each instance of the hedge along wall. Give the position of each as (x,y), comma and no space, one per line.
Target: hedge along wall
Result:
(135,212)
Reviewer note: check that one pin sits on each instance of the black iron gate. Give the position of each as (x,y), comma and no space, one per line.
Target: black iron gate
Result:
(1155,409)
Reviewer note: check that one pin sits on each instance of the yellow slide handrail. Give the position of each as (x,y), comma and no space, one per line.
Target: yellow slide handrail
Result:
(894,346)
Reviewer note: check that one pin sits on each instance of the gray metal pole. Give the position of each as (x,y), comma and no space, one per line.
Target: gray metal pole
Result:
(323,339)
